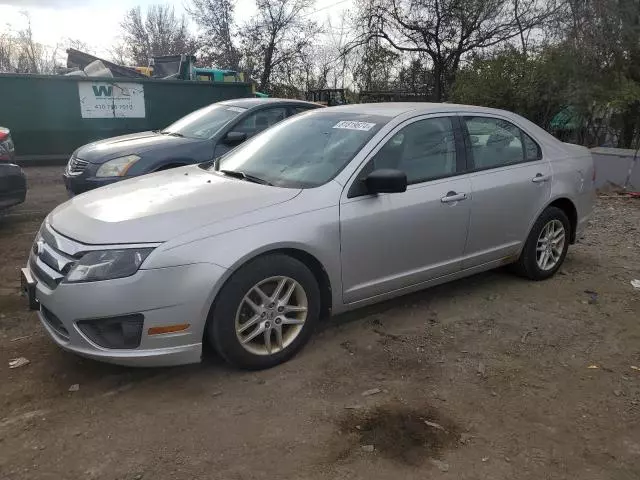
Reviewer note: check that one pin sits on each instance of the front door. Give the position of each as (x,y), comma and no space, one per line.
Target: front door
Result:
(511,184)
(392,241)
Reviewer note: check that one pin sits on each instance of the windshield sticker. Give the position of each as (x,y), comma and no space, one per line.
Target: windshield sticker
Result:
(236,109)
(352,125)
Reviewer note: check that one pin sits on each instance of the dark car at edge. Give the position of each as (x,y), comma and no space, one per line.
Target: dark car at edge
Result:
(203,135)
(13,184)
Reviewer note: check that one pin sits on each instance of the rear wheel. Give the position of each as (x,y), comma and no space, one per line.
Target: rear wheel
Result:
(547,245)
(265,313)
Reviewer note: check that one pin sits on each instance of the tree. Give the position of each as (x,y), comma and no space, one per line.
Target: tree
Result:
(415,77)
(446,31)
(20,53)
(160,33)
(375,66)
(277,40)
(589,74)
(216,20)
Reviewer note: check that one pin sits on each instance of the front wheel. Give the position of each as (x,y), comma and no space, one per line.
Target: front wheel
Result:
(546,247)
(265,313)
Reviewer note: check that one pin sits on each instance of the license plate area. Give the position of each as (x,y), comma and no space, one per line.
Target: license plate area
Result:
(28,287)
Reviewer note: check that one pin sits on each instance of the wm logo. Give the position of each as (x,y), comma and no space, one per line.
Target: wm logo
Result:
(103,91)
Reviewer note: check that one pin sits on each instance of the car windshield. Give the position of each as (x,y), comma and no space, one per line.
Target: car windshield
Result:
(307,150)
(204,123)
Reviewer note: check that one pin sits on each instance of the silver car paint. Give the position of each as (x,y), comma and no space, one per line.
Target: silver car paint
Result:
(146,208)
(371,248)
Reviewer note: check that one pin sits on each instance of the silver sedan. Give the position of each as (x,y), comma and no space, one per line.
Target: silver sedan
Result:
(325,212)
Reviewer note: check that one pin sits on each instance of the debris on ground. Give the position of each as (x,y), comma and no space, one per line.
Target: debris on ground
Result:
(635,284)
(75,387)
(435,425)
(593,367)
(482,369)
(593,296)
(617,393)
(370,392)
(465,438)
(18,362)
(442,466)
(633,367)
(367,448)
(353,407)
(523,339)
(17,339)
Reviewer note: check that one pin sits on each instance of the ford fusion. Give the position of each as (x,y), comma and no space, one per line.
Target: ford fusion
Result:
(326,211)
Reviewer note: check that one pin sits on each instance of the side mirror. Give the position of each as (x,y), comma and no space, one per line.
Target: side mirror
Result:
(386,180)
(234,138)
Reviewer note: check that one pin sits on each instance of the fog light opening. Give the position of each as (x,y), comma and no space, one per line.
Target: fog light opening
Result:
(123,332)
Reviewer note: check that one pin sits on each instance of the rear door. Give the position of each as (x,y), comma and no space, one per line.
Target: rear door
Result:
(511,183)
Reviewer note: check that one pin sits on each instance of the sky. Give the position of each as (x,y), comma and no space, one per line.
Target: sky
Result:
(96,22)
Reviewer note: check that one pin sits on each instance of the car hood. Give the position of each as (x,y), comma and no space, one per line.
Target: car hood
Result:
(160,206)
(136,143)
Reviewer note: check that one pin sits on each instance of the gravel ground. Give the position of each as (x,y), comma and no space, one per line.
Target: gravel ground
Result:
(491,377)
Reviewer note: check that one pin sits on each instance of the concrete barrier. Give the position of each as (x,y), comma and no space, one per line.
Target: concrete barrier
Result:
(617,166)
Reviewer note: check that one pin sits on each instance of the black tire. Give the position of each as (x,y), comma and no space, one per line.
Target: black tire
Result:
(527,266)
(221,330)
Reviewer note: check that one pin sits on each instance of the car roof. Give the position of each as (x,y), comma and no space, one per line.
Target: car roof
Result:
(392,109)
(258,102)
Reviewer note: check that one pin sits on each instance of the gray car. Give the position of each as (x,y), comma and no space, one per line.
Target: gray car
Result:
(325,212)
(200,136)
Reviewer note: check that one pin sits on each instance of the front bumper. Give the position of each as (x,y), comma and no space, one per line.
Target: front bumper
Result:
(166,296)
(77,184)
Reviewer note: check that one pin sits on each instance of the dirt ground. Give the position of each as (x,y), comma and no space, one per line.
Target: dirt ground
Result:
(491,377)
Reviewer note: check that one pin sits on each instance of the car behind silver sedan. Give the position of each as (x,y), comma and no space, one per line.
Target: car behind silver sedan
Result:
(325,212)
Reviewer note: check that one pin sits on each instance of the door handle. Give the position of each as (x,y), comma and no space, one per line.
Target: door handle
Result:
(540,178)
(451,197)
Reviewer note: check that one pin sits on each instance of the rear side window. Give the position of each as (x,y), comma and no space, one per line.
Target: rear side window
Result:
(496,143)
(531,148)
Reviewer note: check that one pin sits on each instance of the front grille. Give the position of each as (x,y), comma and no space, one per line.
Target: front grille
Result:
(48,262)
(40,274)
(54,322)
(76,165)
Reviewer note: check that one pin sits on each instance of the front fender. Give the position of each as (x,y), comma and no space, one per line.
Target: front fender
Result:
(315,233)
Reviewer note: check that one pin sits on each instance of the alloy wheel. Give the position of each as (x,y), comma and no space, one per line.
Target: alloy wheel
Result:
(550,245)
(271,315)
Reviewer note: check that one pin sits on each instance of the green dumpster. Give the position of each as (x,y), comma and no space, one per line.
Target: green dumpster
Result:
(50,116)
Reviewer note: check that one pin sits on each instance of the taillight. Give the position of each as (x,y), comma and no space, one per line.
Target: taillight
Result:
(4,134)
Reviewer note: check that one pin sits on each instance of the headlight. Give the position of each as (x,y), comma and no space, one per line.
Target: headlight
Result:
(117,167)
(107,265)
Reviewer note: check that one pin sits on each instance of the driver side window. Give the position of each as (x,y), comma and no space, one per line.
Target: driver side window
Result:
(424,150)
(260,120)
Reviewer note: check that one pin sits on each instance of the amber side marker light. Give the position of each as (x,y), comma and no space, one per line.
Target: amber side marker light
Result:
(168,329)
